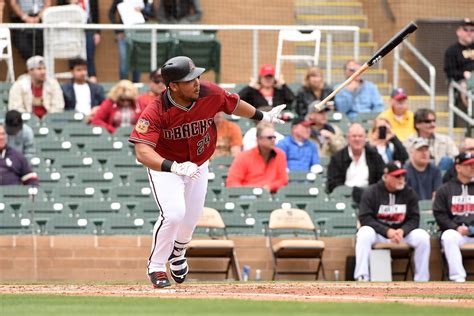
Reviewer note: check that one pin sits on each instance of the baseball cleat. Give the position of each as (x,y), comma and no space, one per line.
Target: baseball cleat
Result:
(179,269)
(159,280)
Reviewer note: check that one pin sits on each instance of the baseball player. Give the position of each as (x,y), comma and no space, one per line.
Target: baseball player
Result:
(388,212)
(174,138)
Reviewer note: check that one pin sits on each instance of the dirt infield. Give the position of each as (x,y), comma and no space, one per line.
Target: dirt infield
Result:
(444,293)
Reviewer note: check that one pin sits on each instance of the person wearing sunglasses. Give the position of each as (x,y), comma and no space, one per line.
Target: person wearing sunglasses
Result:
(442,148)
(389,213)
(459,57)
(156,85)
(263,166)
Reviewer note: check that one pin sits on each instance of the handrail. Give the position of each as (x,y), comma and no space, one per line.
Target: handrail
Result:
(468,118)
(398,61)
(199,27)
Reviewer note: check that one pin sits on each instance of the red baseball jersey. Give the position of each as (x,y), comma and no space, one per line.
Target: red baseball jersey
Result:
(184,134)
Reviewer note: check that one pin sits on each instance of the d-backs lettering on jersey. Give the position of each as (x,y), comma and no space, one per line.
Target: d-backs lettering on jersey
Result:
(392,214)
(462,205)
(184,134)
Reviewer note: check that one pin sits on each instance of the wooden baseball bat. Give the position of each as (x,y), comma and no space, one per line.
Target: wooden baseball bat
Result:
(386,48)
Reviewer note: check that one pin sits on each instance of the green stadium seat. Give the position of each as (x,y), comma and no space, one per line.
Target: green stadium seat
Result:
(222,162)
(299,191)
(76,193)
(110,147)
(284,129)
(75,163)
(88,208)
(149,208)
(425,205)
(324,207)
(131,192)
(122,133)
(14,225)
(43,132)
(20,193)
(43,208)
(306,177)
(53,147)
(65,225)
(82,134)
(31,119)
(128,162)
(341,192)
(245,193)
(65,119)
(120,225)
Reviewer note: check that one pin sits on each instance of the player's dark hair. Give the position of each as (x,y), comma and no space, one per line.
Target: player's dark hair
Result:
(77,62)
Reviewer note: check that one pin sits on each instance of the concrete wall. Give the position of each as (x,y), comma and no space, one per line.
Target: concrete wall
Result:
(124,258)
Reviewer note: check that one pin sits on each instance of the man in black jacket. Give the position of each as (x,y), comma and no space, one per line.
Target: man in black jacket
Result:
(388,212)
(80,95)
(453,209)
(356,165)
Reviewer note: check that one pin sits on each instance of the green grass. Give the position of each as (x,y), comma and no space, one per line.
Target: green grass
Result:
(47,305)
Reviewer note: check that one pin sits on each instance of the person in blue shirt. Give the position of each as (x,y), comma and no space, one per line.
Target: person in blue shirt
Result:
(359,96)
(301,153)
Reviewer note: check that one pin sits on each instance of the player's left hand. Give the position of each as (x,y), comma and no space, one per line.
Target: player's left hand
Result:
(272,115)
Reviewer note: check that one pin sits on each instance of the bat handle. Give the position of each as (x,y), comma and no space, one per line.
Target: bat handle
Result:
(363,68)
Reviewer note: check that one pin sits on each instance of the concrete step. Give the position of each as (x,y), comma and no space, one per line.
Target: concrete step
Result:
(365,35)
(374,75)
(314,19)
(318,2)
(416,102)
(329,8)
(458,133)
(338,48)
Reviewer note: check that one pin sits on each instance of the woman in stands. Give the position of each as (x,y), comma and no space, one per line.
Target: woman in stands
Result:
(313,89)
(389,147)
(267,90)
(120,108)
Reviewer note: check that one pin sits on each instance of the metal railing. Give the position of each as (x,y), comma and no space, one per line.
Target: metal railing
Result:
(453,109)
(153,28)
(398,61)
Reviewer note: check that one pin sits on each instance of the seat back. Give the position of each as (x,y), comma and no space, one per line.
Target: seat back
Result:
(297,36)
(290,219)
(6,52)
(210,218)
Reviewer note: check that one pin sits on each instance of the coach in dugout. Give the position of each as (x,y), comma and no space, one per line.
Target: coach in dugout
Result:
(453,209)
(388,212)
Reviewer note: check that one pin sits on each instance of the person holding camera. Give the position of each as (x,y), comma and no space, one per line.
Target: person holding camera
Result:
(453,209)
(401,119)
(389,147)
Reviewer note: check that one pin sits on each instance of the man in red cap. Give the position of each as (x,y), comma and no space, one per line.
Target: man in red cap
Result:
(401,119)
(267,90)
(453,209)
(388,212)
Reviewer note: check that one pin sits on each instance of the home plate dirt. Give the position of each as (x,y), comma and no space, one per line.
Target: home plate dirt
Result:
(445,293)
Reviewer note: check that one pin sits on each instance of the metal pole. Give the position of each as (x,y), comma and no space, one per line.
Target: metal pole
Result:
(255,54)
(450,112)
(328,57)
(396,62)
(154,49)
(356,44)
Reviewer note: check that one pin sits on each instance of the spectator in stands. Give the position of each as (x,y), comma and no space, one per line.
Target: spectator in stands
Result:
(329,137)
(120,108)
(14,168)
(389,213)
(459,57)
(301,153)
(401,119)
(263,166)
(357,165)
(28,42)
(229,137)
(467,146)
(422,176)
(442,148)
(387,144)
(250,137)
(184,11)
(360,96)
(156,85)
(313,89)
(453,211)
(114,18)
(93,37)
(20,136)
(34,92)
(267,90)
(81,95)
(2,6)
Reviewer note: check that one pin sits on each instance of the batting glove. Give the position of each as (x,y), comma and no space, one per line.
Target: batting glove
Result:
(272,115)
(186,168)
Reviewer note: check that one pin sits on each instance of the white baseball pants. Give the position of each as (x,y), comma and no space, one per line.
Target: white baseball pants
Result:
(418,238)
(181,201)
(452,240)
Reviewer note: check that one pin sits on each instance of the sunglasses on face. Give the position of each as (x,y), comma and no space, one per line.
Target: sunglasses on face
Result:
(269,137)
(468,29)
(399,176)
(429,121)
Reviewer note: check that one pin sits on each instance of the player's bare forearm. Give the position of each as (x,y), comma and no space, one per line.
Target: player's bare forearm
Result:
(244,109)
(148,156)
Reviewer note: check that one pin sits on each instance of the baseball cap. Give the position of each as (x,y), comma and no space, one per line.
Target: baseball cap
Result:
(266,70)
(399,94)
(13,122)
(464,159)
(419,143)
(180,69)
(466,22)
(302,121)
(35,62)
(394,169)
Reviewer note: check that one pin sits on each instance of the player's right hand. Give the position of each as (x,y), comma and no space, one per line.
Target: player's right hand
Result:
(187,168)
(272,115)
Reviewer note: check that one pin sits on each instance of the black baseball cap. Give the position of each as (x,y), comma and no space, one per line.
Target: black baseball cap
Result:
(394,169)
(13,122)
(466,22)
(312,108)
(464,159)
(180,69)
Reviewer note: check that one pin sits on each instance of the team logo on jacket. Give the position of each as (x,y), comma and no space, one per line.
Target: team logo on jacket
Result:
(142,126)
(462,205)
(392,214)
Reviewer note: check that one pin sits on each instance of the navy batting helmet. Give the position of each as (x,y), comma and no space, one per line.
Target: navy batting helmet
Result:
(180,69)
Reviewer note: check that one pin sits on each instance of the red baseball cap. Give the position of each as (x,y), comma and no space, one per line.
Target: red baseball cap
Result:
(266,70)
(399,94)
(301,121)
(464,158)
(394,169)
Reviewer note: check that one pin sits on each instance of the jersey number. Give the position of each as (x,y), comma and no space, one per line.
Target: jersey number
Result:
(202,143)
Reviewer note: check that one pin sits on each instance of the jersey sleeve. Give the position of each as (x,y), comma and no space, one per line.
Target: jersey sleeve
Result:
(230,102)
(147,130)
